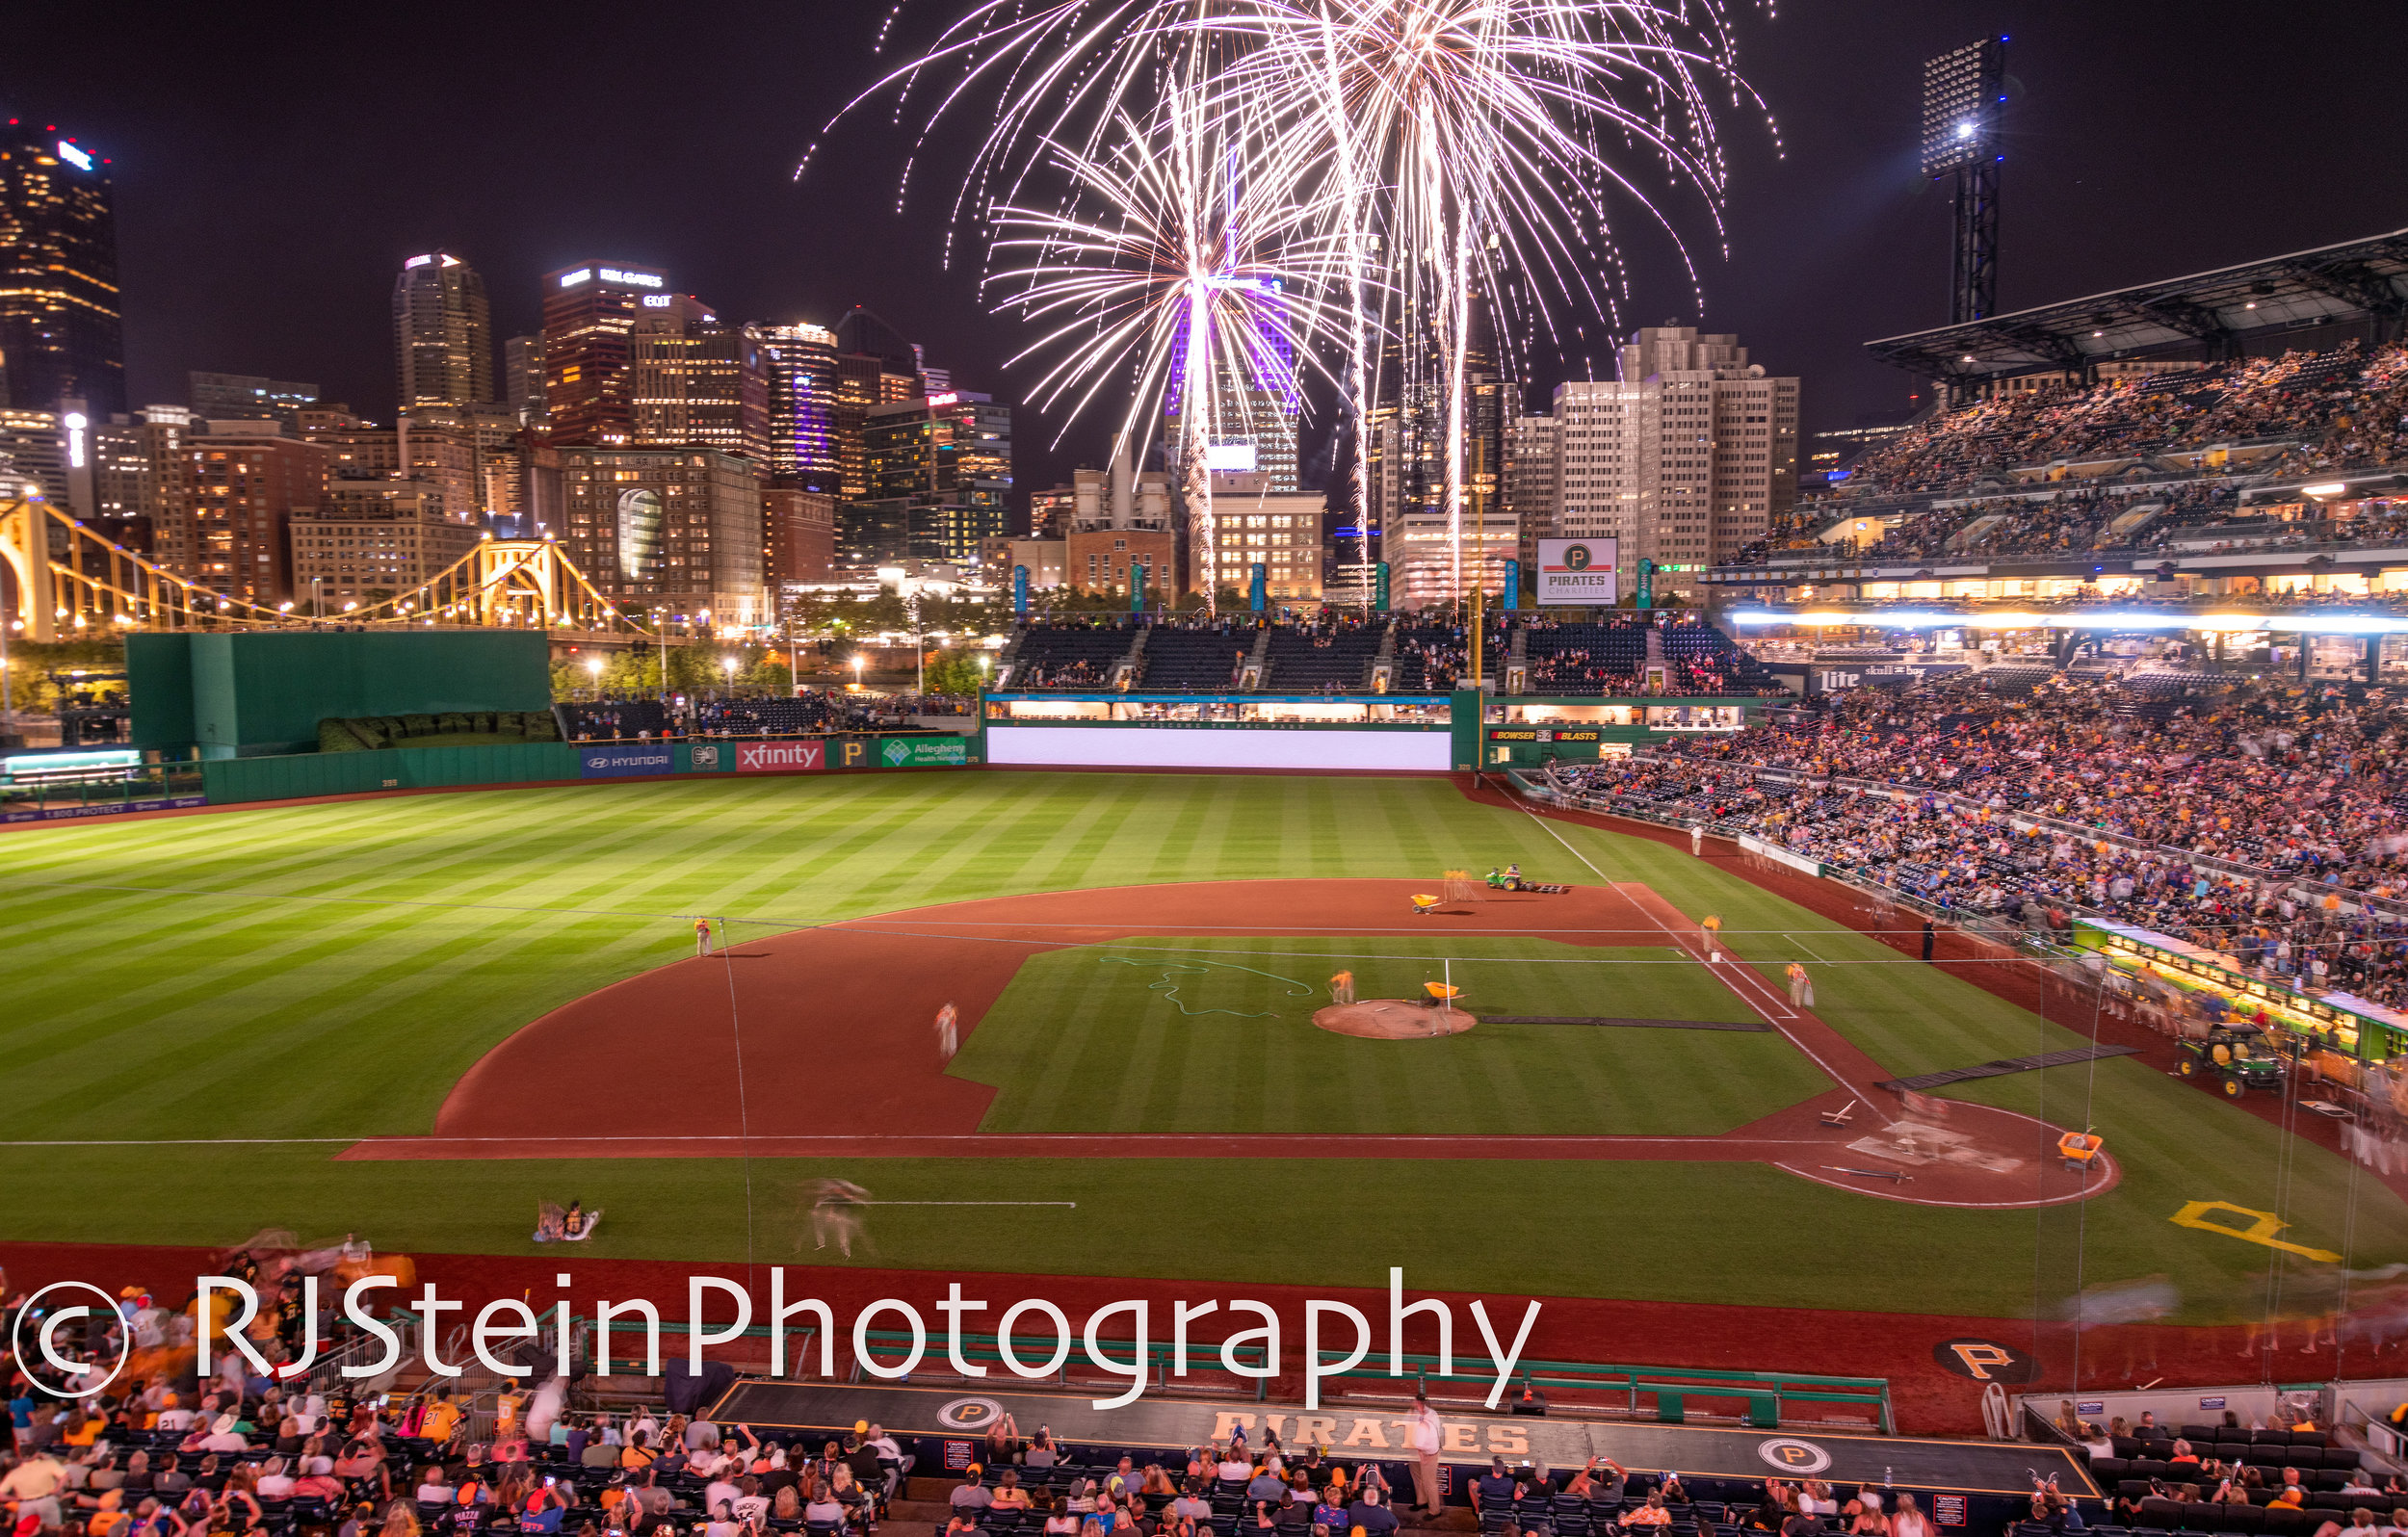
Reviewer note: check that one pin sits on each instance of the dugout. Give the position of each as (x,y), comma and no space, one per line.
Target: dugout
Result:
(242,694)
(1969,1487)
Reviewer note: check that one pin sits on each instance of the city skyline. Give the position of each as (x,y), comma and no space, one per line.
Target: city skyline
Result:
(1836,244)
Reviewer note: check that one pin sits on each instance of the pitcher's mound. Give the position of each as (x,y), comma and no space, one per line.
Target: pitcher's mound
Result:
(1391,1018)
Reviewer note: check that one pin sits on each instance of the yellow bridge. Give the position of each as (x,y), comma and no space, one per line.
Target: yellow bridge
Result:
(70,578)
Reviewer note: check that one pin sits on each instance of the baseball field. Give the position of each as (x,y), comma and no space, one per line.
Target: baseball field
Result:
(414,1017)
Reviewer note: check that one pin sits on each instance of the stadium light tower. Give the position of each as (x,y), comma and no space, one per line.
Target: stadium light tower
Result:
(1963,91)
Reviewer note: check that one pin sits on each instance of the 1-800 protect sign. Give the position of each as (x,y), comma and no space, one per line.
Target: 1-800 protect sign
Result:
(1580,571)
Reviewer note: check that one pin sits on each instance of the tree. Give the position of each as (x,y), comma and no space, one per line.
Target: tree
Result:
(954,672)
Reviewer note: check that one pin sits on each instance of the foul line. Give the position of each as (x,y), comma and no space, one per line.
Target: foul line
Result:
(387,1139)
(1071,1203)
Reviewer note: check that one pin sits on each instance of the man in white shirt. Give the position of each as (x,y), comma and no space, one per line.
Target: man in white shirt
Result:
(275,1483)
(223,1437)
(177,1417)
(1422,1435)
(720,1490)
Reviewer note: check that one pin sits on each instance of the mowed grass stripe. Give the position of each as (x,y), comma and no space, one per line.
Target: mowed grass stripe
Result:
(1215,1035)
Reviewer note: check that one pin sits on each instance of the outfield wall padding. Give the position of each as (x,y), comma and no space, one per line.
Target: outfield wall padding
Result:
(303,775)
(299,775)
(234,695)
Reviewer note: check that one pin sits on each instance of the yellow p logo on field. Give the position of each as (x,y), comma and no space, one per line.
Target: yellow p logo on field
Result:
(1979,1359)
(2262,1228)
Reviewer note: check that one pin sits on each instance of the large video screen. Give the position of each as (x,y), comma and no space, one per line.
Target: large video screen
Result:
(1215,748)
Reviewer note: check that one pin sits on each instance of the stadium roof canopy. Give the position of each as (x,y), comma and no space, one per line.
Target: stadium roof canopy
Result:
(2217,311)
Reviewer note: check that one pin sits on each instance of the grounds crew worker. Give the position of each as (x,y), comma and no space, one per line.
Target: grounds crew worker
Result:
(1422,1436)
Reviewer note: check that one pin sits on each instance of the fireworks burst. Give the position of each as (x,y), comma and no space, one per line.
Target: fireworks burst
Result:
(1437,155)
(1191,262)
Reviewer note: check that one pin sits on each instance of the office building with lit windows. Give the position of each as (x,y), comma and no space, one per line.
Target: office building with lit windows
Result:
(442,333)
(251,398)
(937,471)
(373,539)
(237,488)
(61,331)
(1691,454)
(1280,531)
(590,314)
(672,530)
(696,381)
(800,361)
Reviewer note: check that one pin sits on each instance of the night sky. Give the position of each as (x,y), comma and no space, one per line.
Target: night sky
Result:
(275,165)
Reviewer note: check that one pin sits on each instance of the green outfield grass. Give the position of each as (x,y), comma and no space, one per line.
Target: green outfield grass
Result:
(1174,1034)
(326,972)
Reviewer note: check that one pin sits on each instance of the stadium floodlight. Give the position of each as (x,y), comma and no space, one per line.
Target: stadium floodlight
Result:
(1961,95)
(1963,90)
(2326,488)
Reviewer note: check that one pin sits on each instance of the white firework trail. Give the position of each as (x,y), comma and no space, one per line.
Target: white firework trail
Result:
(1450,153)
(1188,263)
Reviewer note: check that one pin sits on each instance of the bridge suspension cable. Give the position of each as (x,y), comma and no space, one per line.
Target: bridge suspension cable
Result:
(70,578)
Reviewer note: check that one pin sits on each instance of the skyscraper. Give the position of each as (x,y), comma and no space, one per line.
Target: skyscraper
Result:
(939,471)
(696,381)
(800,361)
(863,380)
(1689,455)
(862,331)
(62,336)
(874,366)
(522,379)
(442,333)
(588,311)
(1255,405)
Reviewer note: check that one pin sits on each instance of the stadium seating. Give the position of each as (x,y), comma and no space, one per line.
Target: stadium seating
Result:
(2175,803)
(1182,660)
(1431,659)
(1586,658)
(1068,657)
(773,716)
(2117,466)
(615,721)
(1328,660)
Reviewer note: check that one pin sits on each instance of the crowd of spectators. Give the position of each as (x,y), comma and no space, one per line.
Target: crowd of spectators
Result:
(2330,412)
(2346,406)
(1224,1489)
(713,714)
(169,1454)
(2270,824)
